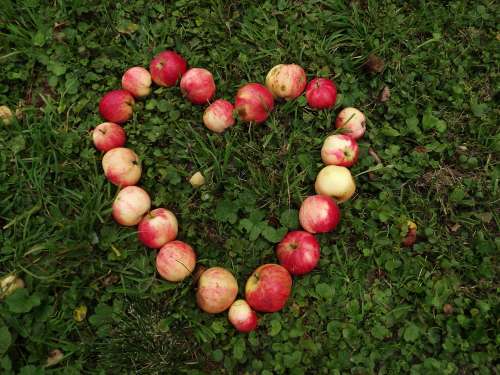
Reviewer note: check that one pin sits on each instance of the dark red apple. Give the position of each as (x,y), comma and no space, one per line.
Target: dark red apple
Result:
(198,85)
(268,288)
(319,214)
(167,68)
(253,103)
(321,93)
(298,252)
(117,106)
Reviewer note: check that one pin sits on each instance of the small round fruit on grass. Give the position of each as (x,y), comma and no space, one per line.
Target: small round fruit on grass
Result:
(122,166)
(219,116)
(117,106)
(340,149)
(336,182)
(253,103)
(130,205)
(217,290)
(321,93)
(268,288)
(286,81)
(167,68)
(319,214)
(137,81)
(242,317)
(198,85)
(352,121)
(175,261)
(157,228)
(108,135)
(298,252)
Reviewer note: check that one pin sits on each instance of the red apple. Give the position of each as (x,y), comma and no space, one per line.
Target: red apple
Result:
(217,290)
(298,252)
(336,182)
(122,166)
(175,261)
(321,93)
(117,106)
(130,205)
(157,228)
(242,317)
(167,68)
(352,121)
(286,81)
(137,81)
(340,149)
(319,214)
(108,135)
(198,85)
(219,116)
(254,103)
(268,288)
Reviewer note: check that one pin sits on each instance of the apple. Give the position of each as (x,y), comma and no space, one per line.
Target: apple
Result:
(336,182)
(175,261)
(268,288)
(219,116)
(217,290)
(108,135)
(130,205)
(157,228)
(340,149)
(298,252)
(253,103)
(321,93)
(197,180)
(198,85)
(9,284)
(352,121)
(286,81)
(117,106)
(319,214)
(167,68)
(242,317)
(137,81)
(6,115)
(122,166)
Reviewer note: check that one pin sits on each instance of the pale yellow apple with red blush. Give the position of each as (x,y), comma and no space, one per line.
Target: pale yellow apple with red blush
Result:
(130,205)
(217,290)
(121,166)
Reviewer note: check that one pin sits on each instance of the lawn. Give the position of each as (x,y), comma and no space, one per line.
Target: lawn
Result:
(372,306)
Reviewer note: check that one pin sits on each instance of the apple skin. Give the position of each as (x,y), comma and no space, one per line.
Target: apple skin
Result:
(217,290)
(167,68)
(219,116)
(321,93)
(130,205)
(253,103)
(352,121)
(298,252)
(117,106)
(340,149)
(137,81)
(6,115)
(175,261)
(108,135)
(336,182)
(157,228)
(242,317)
(286,81)
(198,85)
(319,214)
(121,166)
(268,288)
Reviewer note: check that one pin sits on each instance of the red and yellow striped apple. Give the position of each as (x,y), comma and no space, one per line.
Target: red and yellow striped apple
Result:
(108,135)
(253,103)
(137,81)
(157,228)
(268,288)
(352,121)
(286,81)
(175,261)
(319,214)
(242,317)
(298,252)
(340,149)
(198,85)
(217,290)
(219,116)
(130,205)
(167,68)
(121,166)
(117,106)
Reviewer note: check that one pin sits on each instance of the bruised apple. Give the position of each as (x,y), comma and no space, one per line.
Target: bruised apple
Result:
(198,85)
(108,135)
(268,288)
(217,290)
(219,116)
(352,121)
(242,317)
(137,81)
(117,106)
(336,182)
(340,149)
(286,81)
(298,252)
(167,68)
(319,214)
(157,228)
(122,166)
(321,93)
(253,103)
(130,205)
(175,261)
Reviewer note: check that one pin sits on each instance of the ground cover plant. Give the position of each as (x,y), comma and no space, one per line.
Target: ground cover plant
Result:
(426,76)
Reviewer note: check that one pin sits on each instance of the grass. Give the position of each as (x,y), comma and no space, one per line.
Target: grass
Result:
(372,305)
